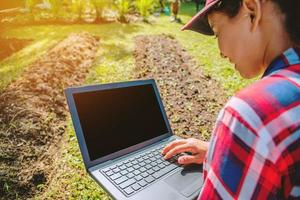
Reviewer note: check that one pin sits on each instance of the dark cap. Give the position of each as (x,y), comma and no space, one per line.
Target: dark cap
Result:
(199,23)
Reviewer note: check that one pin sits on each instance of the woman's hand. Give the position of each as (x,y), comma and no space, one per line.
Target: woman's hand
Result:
(197,148)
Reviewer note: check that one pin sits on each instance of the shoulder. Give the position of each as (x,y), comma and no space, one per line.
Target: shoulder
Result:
(270,109)
(268,96)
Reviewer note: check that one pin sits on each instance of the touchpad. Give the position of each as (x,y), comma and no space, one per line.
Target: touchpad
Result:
(187,181)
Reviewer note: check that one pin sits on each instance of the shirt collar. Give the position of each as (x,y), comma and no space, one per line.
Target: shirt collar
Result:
(287,58)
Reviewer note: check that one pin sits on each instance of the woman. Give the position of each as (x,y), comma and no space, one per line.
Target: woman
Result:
(254,152)
(175,6)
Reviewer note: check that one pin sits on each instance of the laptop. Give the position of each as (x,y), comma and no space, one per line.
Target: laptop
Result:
(121,129)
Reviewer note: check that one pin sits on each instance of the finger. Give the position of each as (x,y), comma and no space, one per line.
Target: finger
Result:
(172,145)
(178,149)
(190,159)
(187,159)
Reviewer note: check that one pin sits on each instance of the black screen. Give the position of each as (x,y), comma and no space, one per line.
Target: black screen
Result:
(114,119)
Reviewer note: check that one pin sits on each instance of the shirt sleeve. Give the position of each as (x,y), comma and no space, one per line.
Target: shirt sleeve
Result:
(241,162)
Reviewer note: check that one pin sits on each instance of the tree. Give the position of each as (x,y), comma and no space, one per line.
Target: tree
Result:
(145,7)
(123,8)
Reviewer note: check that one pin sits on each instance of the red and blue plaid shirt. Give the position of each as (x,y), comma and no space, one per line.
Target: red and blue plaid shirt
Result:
(254,151)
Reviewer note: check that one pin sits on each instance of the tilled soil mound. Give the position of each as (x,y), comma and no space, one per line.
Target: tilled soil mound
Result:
(33,115)
(192,100)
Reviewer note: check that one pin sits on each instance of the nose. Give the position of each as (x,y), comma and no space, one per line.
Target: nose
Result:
(222,55)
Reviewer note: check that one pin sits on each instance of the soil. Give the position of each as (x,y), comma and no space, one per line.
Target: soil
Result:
(33,110)
(10,46)
(33,115)
(192,100)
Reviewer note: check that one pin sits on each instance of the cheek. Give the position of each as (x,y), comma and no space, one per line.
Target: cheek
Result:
(231,45)
(250,56)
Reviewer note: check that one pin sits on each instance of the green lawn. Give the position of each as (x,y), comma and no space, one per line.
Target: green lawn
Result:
(114,62)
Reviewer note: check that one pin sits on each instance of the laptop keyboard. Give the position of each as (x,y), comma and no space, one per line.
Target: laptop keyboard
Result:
(136,173)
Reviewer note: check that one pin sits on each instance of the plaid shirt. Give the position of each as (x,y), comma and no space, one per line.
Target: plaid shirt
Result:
(254,151)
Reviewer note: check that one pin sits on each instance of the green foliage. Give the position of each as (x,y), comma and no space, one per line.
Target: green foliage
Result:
(145,7)
(100,5)
(123,8)
(55,5)
(77,6)
(29,4)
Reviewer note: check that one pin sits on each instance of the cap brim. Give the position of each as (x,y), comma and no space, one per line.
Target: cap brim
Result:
(199,23)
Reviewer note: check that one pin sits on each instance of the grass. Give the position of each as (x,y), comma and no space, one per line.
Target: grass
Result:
(114,62)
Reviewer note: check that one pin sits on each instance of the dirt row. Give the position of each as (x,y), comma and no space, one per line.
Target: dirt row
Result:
(192,100)
(33,115)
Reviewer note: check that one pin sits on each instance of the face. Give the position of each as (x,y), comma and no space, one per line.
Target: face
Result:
(238,42)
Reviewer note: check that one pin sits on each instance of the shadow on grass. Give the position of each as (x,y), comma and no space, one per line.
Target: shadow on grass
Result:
(46,36)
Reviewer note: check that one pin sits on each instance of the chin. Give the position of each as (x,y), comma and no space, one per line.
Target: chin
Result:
(248,76)
(245,74)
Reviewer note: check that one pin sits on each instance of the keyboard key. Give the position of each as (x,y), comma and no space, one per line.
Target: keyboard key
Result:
(138,156)
(128,190)
(153,159)
(130,169)
(106,170)
(159,161)
(148,166)
(115,176)
(109,173)
(136,172)
(142,169)
(149,179)
(153,164)
(135,162)
(156,168)
(140,160)
(161,165)
(142,164)
(122,167)
(127,183)
(124,172)
(119,164)
(147,161)
(121,180)
(128,164)
(166,163)
(150,171)
(138,177)
(130,175)
(136,186)
(116,170)
(113,167)
(164,171)
(144,174)
(143,183)
(158,156)
(136,166)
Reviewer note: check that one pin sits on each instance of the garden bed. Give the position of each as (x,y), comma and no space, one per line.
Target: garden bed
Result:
(33,115)
(192,100)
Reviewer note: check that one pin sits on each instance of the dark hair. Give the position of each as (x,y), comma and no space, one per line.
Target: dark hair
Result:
(290,8)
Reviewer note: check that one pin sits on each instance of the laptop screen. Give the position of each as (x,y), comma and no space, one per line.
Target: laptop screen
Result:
(114,119)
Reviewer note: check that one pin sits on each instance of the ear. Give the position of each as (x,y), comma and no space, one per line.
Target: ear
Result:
(254,10)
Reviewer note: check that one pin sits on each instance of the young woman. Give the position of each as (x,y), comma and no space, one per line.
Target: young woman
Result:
(254,151)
